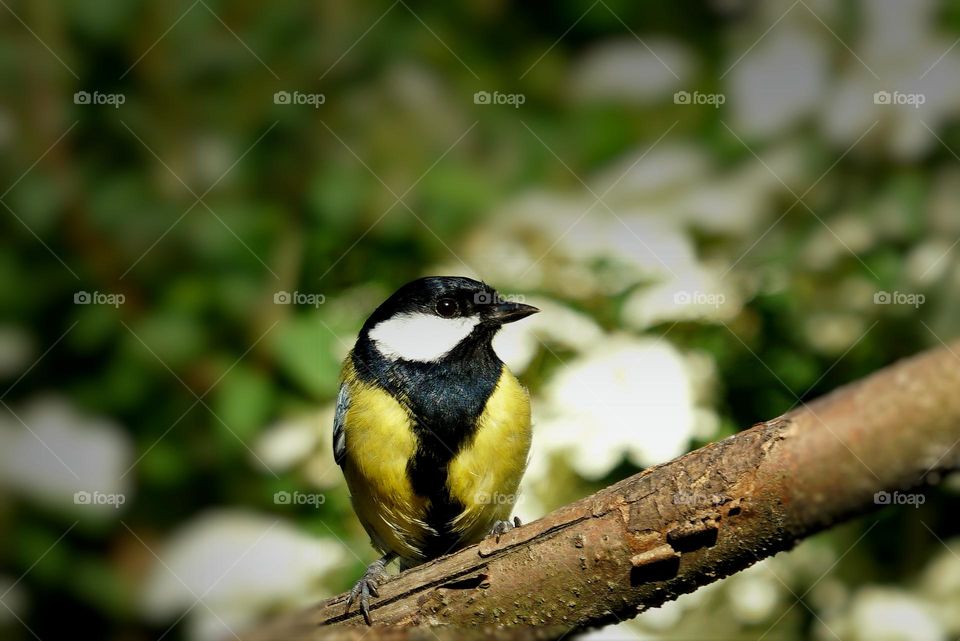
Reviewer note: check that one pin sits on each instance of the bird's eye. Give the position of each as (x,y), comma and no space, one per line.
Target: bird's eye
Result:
(446,307)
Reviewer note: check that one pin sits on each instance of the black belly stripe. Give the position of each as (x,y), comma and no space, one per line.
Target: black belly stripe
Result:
(446,400)
(428,471)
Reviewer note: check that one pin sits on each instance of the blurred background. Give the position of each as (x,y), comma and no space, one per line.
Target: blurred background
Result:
(724,208)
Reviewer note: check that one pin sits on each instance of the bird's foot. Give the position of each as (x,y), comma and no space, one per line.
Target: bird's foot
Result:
(368,585)
(502,527)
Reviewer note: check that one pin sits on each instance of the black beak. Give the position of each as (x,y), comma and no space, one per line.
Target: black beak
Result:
(509,312)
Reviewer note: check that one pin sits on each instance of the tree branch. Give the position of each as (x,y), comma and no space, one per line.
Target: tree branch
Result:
(678,526)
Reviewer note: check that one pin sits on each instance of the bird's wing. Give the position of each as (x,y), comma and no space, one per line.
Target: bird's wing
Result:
(339,437)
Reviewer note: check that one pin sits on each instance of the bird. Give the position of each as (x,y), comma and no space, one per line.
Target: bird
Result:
(431,429)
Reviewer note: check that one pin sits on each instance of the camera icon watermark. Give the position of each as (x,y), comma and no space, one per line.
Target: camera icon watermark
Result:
(899,98)
(496,498)
(299,98)
(98,298)
(490,298)
(299,498)
(699,98)
(685,297)
(298,298)
(98,98)
(898,298)
(899,498)
(696,498)
(114,500)
(498,98)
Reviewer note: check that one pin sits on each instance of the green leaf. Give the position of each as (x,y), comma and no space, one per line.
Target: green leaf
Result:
(243,401)
(309,353)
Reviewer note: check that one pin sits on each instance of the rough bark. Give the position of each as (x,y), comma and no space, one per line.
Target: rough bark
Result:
(678,526)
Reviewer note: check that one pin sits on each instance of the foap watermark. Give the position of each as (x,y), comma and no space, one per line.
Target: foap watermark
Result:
(299,98)
(98,298)
(498,98)
(488,298)
(496,498)
(899,498)
(99,498)
(898,298)
(685,297)
(298,298)
(297,497)
(697,498)
(899,98)
(699,98)
(99,98)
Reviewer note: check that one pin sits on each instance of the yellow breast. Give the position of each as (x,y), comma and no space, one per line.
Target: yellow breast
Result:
(485,475)
(379,444)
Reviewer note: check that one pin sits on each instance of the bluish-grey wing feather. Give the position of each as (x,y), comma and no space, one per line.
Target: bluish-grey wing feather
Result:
(339,436)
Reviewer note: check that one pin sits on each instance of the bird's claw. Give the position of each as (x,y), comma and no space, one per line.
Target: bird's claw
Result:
(502,527)
(368,585)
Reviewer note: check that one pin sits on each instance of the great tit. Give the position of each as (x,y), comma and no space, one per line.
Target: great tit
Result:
(431,429)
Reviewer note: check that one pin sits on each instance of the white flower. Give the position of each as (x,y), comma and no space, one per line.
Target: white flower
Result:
(693,293)
(828,596)
(941,577)
(566,236)
(754,594)
(306,441)
(672,616)
(630,71)
(575,247)
(929,261)
(555,326)
(238,565)
(940,583)
(640,245)
(56,451)
(887,614)
(843,236)
(629,629)
(906,58)
(626,396)
(289,441)
(833,333)
(779,82)
(524,239)
(650,174)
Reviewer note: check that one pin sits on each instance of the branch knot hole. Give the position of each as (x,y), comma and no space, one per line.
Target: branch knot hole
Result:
(694,535)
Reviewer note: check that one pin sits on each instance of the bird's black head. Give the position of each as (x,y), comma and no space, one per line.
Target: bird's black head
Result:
(427,318)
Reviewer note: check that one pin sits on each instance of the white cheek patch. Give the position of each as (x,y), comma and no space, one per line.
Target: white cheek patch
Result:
(420,337)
